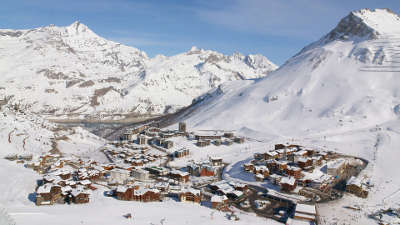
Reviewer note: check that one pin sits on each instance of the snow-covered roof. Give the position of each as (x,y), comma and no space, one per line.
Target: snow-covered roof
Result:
(46,188)
(121,188)
(303,208)
(217,198)
(85,182)
(303,159)
(191,190)
(301,152)
(288,180)
(180,173)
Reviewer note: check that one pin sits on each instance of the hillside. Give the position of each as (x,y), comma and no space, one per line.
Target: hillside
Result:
(71,72)
(340,92)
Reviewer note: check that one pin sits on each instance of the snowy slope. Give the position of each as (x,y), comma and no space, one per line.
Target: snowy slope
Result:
(337,83)
(341,92)
(71,71)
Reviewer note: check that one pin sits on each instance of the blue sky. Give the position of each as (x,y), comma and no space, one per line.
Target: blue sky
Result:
(275,28)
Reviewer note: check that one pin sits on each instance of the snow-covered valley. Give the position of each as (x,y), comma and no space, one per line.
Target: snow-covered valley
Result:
(340,93)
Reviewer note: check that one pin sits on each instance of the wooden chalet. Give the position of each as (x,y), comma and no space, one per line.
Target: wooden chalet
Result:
(219,202)
(304,162)
(355,186)
(293,171)
(80,197)
(288,184)
(146,195)
(249,167)
(190,195)
(48,194)
(203,143)
(179,176)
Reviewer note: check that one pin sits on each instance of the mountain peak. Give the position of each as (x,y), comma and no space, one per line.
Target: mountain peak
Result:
(78,28)
(366,23)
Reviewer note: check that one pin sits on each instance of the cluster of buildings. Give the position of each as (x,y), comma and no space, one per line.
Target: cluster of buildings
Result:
(146,134)
(209,168)
(66,180)
(132,155)
(228,138)
(298,169)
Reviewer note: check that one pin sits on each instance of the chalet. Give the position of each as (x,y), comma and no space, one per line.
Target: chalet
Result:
(190,195)
(293,171)
(270,155)
(219,202)
(125,192)
(275,178)
(317,160)
(181,153)
(282,165)
(228,135)
(306,213)
(272,165)
(249,167)
(336,167)
(140,174)
(355,186)
(288,184)
(208,171)
(179,176)
(300,154)
(239,140)
(182,127)
(304,162)
(168,144)
(146,195)
(48,194)
(203,143)
(216,161)
(80,196)
(263,170)
(141,140)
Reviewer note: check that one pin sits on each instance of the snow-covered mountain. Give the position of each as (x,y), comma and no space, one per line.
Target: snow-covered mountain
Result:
(346,77)
(341,92)
(72,71)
